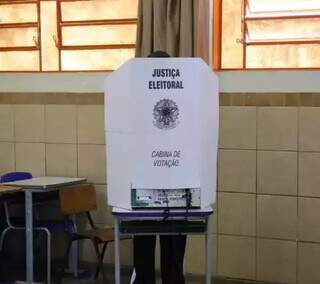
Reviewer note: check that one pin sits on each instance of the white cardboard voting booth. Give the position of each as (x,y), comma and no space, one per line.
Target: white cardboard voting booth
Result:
(161,120)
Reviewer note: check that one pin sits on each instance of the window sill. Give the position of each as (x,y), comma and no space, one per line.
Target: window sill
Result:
(230,82)
(269,81)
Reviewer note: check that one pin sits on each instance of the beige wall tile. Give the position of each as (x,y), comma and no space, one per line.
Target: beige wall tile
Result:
(87,253)
(91,125)
(237,257)
(277,217)
(103,214)
(29,123)
(277,172)
(308,263)
(309,178)
(6,123)
(92,163)
(237,170)
(309,212)
(309,132)
(277,128)
(30,157)
(276,261)
(126,253)
(237,214)
(7,163)
(238,127)
(195,255)
(61,160)
(61,124)
(214,219)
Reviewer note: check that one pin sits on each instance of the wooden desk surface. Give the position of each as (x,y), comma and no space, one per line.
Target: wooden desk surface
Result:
(9,189)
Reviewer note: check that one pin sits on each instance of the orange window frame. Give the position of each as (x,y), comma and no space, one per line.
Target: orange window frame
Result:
(61,24)
(58,39)
(37,41)
(217,37)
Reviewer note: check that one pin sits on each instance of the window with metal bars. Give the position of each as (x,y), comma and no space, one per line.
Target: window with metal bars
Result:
(66,35)
(267,34)
(20,35)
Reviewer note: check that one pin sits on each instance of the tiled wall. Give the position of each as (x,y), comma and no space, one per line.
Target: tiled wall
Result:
(63,134)
(56,140)
(267,226)
(269,189)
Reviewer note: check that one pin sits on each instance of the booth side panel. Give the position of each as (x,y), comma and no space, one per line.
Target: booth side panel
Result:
(119,168)
(210,130)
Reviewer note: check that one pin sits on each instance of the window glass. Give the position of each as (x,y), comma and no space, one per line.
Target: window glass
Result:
(98,10)
(49,50)
(279,56)
(270,34)
(289,29)
(19,60)
(76,35)
(12,37)
(18,13)
(232,55)
(99,35)
(283,7)
(83,60)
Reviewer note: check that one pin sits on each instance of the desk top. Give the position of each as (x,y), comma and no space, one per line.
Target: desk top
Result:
(161,213)
(9,189)
(46,182)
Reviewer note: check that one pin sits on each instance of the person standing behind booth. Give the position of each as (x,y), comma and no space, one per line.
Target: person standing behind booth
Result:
(172,249)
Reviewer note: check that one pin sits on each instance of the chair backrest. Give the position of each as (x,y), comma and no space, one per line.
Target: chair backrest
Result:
(78,199)
(14,176)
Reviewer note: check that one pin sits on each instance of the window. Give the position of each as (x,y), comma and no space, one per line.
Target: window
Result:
(66,35)
(261,34)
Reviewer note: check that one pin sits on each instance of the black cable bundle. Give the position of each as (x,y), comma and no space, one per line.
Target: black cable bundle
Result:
(166,211)
(188,201)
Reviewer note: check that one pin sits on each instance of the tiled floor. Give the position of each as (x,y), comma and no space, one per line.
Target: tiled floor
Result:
(88,270)
(126,280)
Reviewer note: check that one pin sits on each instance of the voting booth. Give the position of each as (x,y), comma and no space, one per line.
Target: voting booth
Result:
(161,122)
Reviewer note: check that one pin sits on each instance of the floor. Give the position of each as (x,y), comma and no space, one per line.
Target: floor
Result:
(126,280)
(86,278)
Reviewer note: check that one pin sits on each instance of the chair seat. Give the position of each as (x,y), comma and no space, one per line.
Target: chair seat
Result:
(50,224)
(102,234)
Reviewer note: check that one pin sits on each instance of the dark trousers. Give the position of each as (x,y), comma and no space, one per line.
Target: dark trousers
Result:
(172,253)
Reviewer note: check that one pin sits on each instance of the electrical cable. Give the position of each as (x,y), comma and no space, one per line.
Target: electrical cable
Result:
(188,197)
(166,211)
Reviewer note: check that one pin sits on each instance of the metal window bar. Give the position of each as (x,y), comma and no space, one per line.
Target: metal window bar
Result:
(247,41)
(283,13)
(9,2)
(61,24)
(37,25)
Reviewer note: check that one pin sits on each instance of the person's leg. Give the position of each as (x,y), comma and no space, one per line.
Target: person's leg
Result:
(172,254)
(143,254)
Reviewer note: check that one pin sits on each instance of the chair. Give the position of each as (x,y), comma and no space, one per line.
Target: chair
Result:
(82,200)
(15,176)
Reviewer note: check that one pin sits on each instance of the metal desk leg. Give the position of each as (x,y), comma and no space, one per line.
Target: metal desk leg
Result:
(208,251)
(73,255)
(29,235)
(117,250)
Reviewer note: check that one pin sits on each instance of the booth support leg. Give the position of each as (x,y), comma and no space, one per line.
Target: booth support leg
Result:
(117,250)
(208,252)
(29,236)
